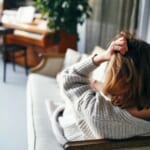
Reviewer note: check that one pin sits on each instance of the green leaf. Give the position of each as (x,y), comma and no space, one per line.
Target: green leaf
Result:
(64,14)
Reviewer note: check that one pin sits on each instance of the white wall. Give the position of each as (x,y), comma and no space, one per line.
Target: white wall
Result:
(82,34)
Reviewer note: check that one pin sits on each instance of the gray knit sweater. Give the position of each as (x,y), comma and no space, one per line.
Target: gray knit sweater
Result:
(89,114)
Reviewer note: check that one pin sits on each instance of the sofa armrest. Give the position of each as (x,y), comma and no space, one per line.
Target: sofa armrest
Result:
(135,142)
(49,65)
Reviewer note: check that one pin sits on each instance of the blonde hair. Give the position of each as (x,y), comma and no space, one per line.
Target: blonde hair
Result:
(126,82)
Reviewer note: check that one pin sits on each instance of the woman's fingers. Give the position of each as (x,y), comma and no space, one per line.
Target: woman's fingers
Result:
(119,45)
(120,48)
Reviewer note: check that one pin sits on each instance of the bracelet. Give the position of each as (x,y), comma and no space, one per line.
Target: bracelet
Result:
(93,58)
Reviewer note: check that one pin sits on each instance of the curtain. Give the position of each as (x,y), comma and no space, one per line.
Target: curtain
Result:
(109,17)
(143,31)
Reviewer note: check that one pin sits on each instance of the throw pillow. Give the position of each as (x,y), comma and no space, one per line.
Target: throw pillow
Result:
(71,57)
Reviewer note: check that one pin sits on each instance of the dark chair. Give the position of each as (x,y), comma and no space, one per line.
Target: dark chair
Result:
(9,50)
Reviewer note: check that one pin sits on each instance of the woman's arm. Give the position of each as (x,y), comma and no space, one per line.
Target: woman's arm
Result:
(74,83)
(120,45)
(74,80)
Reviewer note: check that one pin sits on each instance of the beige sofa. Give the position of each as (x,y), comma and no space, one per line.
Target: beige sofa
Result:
(42,87)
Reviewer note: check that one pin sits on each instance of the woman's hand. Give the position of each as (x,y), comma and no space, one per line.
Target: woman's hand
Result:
(96,85)
(119,45)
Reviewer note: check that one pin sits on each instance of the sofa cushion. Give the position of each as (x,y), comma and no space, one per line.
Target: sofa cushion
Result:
(41,88)
(71,57)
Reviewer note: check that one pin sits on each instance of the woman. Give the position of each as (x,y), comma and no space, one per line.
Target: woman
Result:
(120,107)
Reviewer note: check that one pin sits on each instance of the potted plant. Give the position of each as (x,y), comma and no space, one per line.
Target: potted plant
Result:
(64,14)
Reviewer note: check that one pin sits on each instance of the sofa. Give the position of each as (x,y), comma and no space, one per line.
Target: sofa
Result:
(42,88)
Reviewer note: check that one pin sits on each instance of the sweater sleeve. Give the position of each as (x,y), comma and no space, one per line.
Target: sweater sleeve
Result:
(74,82)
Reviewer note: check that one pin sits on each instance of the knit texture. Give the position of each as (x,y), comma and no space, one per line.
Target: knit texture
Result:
(93,115)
